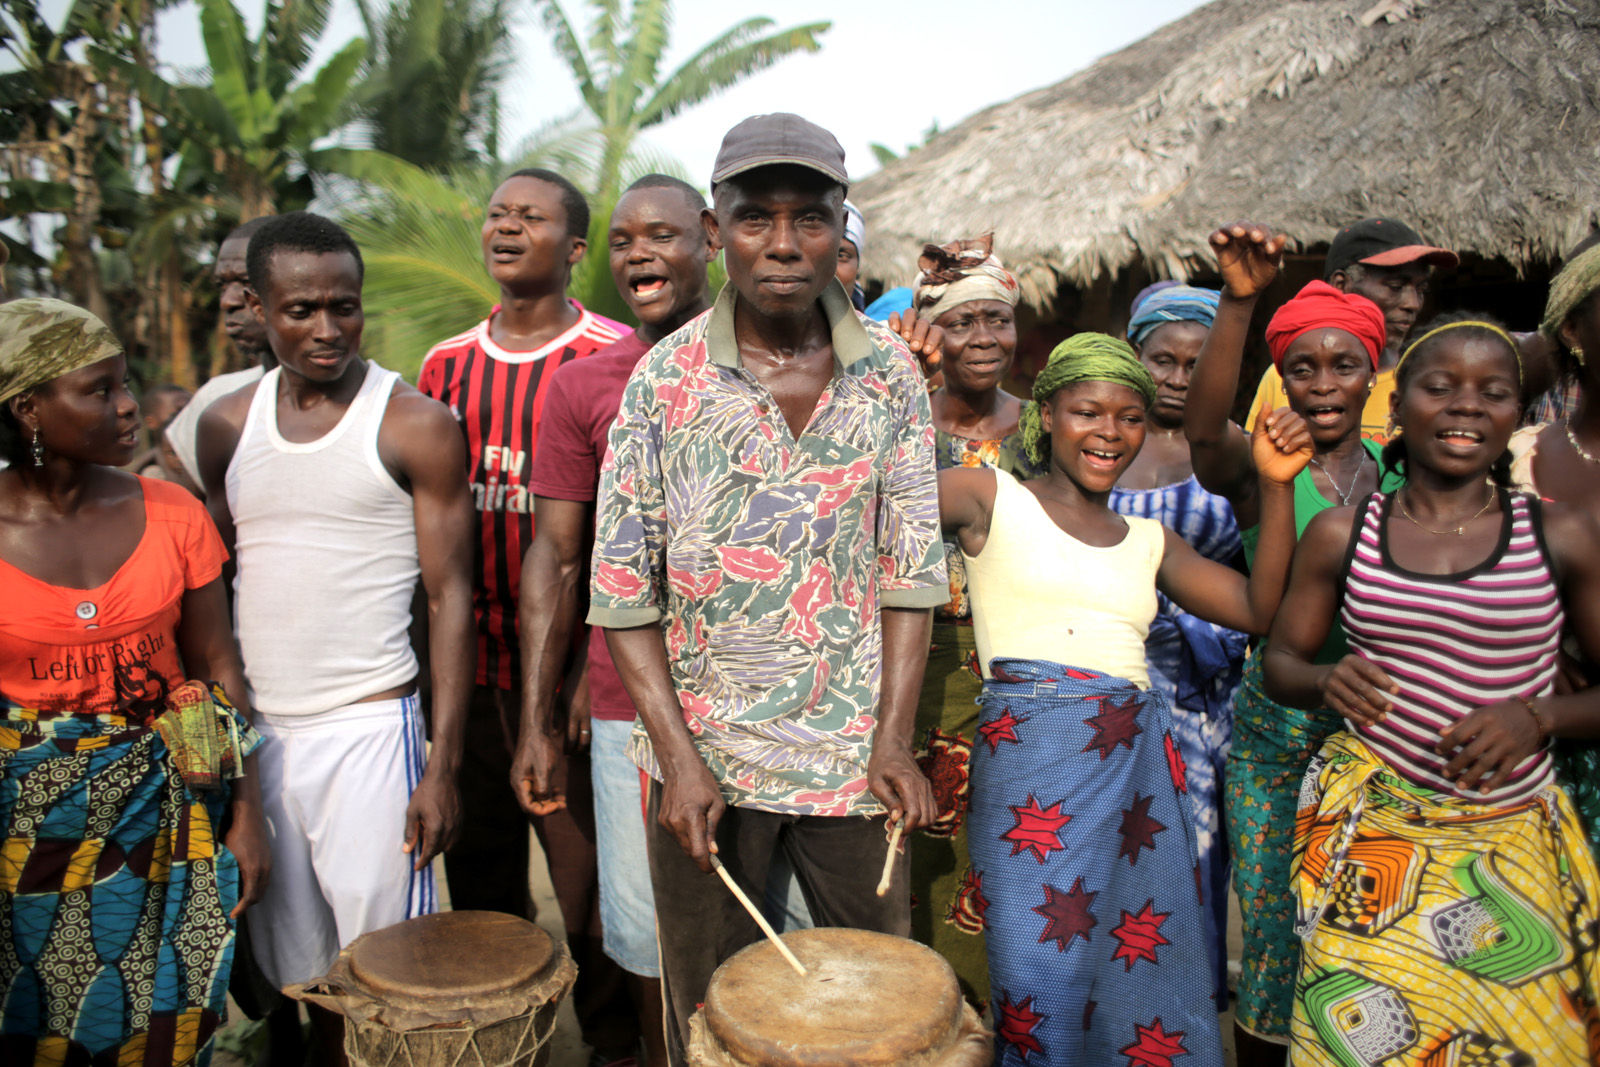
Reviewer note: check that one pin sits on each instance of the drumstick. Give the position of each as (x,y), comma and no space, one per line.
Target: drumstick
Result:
(755,913)
(888,861)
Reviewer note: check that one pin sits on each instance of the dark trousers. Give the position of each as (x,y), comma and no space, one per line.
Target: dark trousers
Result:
(699,924)
(487,870)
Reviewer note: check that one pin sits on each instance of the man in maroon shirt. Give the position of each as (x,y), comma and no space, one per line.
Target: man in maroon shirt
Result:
(659,251)
(494,378)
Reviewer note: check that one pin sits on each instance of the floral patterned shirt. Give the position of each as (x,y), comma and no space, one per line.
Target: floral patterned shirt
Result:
(766,558)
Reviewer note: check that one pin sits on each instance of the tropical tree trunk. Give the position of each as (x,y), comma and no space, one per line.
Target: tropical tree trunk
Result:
(164,302)
(75,163)
(173,295)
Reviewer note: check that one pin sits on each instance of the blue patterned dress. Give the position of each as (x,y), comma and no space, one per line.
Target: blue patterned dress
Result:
(1082,848)
(1198,666)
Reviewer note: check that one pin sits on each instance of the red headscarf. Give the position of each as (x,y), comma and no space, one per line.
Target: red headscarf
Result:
(1320,305)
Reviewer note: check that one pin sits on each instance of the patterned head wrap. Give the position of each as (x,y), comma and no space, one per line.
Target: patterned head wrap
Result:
(1175,303)
(1153,287)
(42,339)
(1569,288)
(1083,357)
(855,229)
(1319,306)
(958,272)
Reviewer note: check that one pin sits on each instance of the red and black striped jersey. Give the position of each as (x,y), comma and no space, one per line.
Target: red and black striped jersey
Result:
(496,396)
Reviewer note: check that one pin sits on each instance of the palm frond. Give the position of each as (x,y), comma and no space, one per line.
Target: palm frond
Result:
(732,37)
(602,44)
(318,102)
(428,91)
(649,32)
(572,145)
(290,31)
(569,49)
(709,72)
(227,49)
(645,157)
(173,219)
(74,22)
(371,19)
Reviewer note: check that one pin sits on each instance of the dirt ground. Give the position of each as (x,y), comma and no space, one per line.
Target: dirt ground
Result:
(237,1041)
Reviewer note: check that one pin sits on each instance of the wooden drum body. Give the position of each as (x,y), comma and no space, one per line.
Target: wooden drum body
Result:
(870,1000)
(455,989)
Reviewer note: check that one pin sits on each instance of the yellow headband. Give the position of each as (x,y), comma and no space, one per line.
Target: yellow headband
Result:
(1491,327)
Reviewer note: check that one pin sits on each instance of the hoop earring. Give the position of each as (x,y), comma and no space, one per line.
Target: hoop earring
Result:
(38,449)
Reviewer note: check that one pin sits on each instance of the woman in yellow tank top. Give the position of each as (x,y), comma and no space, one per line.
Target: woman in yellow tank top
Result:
(1083,843)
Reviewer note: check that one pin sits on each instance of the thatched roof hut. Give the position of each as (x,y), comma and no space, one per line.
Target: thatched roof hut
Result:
(1477,121)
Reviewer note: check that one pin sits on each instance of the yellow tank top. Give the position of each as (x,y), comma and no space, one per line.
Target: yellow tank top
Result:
(1039,593)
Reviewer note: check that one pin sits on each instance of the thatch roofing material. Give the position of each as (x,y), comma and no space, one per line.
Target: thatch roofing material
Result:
(1477,121)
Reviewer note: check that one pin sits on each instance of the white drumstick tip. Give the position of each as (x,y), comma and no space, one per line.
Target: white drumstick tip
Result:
(888,861)
(755,913)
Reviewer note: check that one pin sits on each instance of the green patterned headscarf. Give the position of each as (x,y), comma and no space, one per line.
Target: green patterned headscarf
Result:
(1567,290)
(1083,357)
(42,339)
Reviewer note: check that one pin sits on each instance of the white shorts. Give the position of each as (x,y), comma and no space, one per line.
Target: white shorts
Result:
(334,788)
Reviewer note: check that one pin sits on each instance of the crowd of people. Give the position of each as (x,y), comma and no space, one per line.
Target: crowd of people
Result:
(762,579)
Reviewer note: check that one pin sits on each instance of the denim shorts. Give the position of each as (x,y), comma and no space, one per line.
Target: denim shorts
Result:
(627,908)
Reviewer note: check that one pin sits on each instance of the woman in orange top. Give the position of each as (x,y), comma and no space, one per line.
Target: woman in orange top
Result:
(117,899)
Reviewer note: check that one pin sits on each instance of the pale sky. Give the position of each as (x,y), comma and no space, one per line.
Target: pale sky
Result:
(887,69)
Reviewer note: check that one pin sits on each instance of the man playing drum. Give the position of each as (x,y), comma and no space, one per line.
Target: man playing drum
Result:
(767,552)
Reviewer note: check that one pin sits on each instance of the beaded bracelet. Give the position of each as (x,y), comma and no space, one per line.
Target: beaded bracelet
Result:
(1538,720)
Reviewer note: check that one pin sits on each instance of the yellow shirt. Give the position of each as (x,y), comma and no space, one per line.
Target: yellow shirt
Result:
(1374,417)
(1040,593)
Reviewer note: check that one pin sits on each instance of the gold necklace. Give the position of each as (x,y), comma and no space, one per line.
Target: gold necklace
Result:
(1576,447)
(1458,531)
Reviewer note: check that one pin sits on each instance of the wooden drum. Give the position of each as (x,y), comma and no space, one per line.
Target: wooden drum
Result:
(870,999)
(456,989)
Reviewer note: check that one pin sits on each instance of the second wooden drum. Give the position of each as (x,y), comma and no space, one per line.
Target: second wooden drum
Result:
(455,989)
(870,1000)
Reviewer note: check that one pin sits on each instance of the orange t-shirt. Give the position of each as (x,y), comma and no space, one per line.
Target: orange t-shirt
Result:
(114,649)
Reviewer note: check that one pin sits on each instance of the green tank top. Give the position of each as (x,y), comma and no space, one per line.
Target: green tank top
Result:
(1308,504)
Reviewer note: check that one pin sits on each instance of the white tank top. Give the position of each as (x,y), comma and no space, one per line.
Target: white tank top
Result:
(1037,592)
(326,549)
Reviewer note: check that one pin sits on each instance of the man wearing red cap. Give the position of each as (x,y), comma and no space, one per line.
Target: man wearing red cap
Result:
(767,552)
(1388,263)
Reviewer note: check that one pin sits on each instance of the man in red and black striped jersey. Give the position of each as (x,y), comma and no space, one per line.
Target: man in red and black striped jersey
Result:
(493,378)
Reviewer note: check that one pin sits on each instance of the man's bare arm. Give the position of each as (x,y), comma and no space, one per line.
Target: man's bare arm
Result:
(892,771)
(216,441)
(548,606)
(431,456)
(691,802)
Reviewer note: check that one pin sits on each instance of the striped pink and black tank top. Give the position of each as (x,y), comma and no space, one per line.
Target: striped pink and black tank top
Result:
(1454,642)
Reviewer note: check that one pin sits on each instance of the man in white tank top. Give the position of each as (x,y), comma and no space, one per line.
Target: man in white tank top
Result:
(337,486)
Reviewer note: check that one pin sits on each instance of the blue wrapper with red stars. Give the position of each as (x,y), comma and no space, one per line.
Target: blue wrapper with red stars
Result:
(1085,873)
